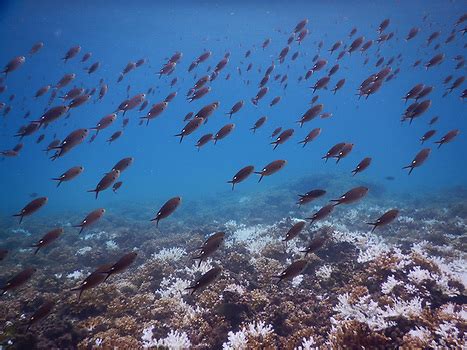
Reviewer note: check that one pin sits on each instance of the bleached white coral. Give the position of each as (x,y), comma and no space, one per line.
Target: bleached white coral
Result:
(198,269)
(389,285)
(239,340)
(307,344)
(111,245)
(175,340)
(448,331)
(324,272)
(76,275)
(405,308)
(171,254)
(448,309)
(236,341)
(259,329)
(418,275)
(83,251)
(297,280)
(369,245)
(172,287)
(254,237)
(420,333)
(365,310)
(235,288)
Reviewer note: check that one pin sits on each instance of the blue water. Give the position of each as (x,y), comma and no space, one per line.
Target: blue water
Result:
(120,31)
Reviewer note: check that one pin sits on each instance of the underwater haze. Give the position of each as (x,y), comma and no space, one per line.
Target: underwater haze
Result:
(315,197)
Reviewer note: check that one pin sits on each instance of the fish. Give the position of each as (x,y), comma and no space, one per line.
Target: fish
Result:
(48,238)
(18,280)
(207,111)
(32,207)
(412,33)
(261,93)
(448,137)
(310,196)
(123,164)
(155,111)
(426,136)
(435,61)
(86,57)
(68,175)
(343,152)
(42,312)
(333,151)
(385,219)
(191,127)
(209,247)
(199,93)
(36,48)
(310,136)
(167,209)
(106,181)
(241,175)
(52,115)
(72,52)
(351,196)
(205,280)
(42,91)
(335,47)
(259,123)
(315,244)
(321,83)
(78,101)
(223,132)
(122,264)
(364,163)
(204,140)
(93,67)
(116,186)
(104,122)
(275,101)
(14,64)
(419,159)
(294,231)
(170,97)
(72,140)
(90,219)
(235,108)
(94,279)
(355,44)
(293,270)
(65,80)
(114,136)
(283,137)
(271,168)
(321,213)
(310,114)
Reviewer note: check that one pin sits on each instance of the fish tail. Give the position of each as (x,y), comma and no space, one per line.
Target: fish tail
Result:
(20,217)
(261,177)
